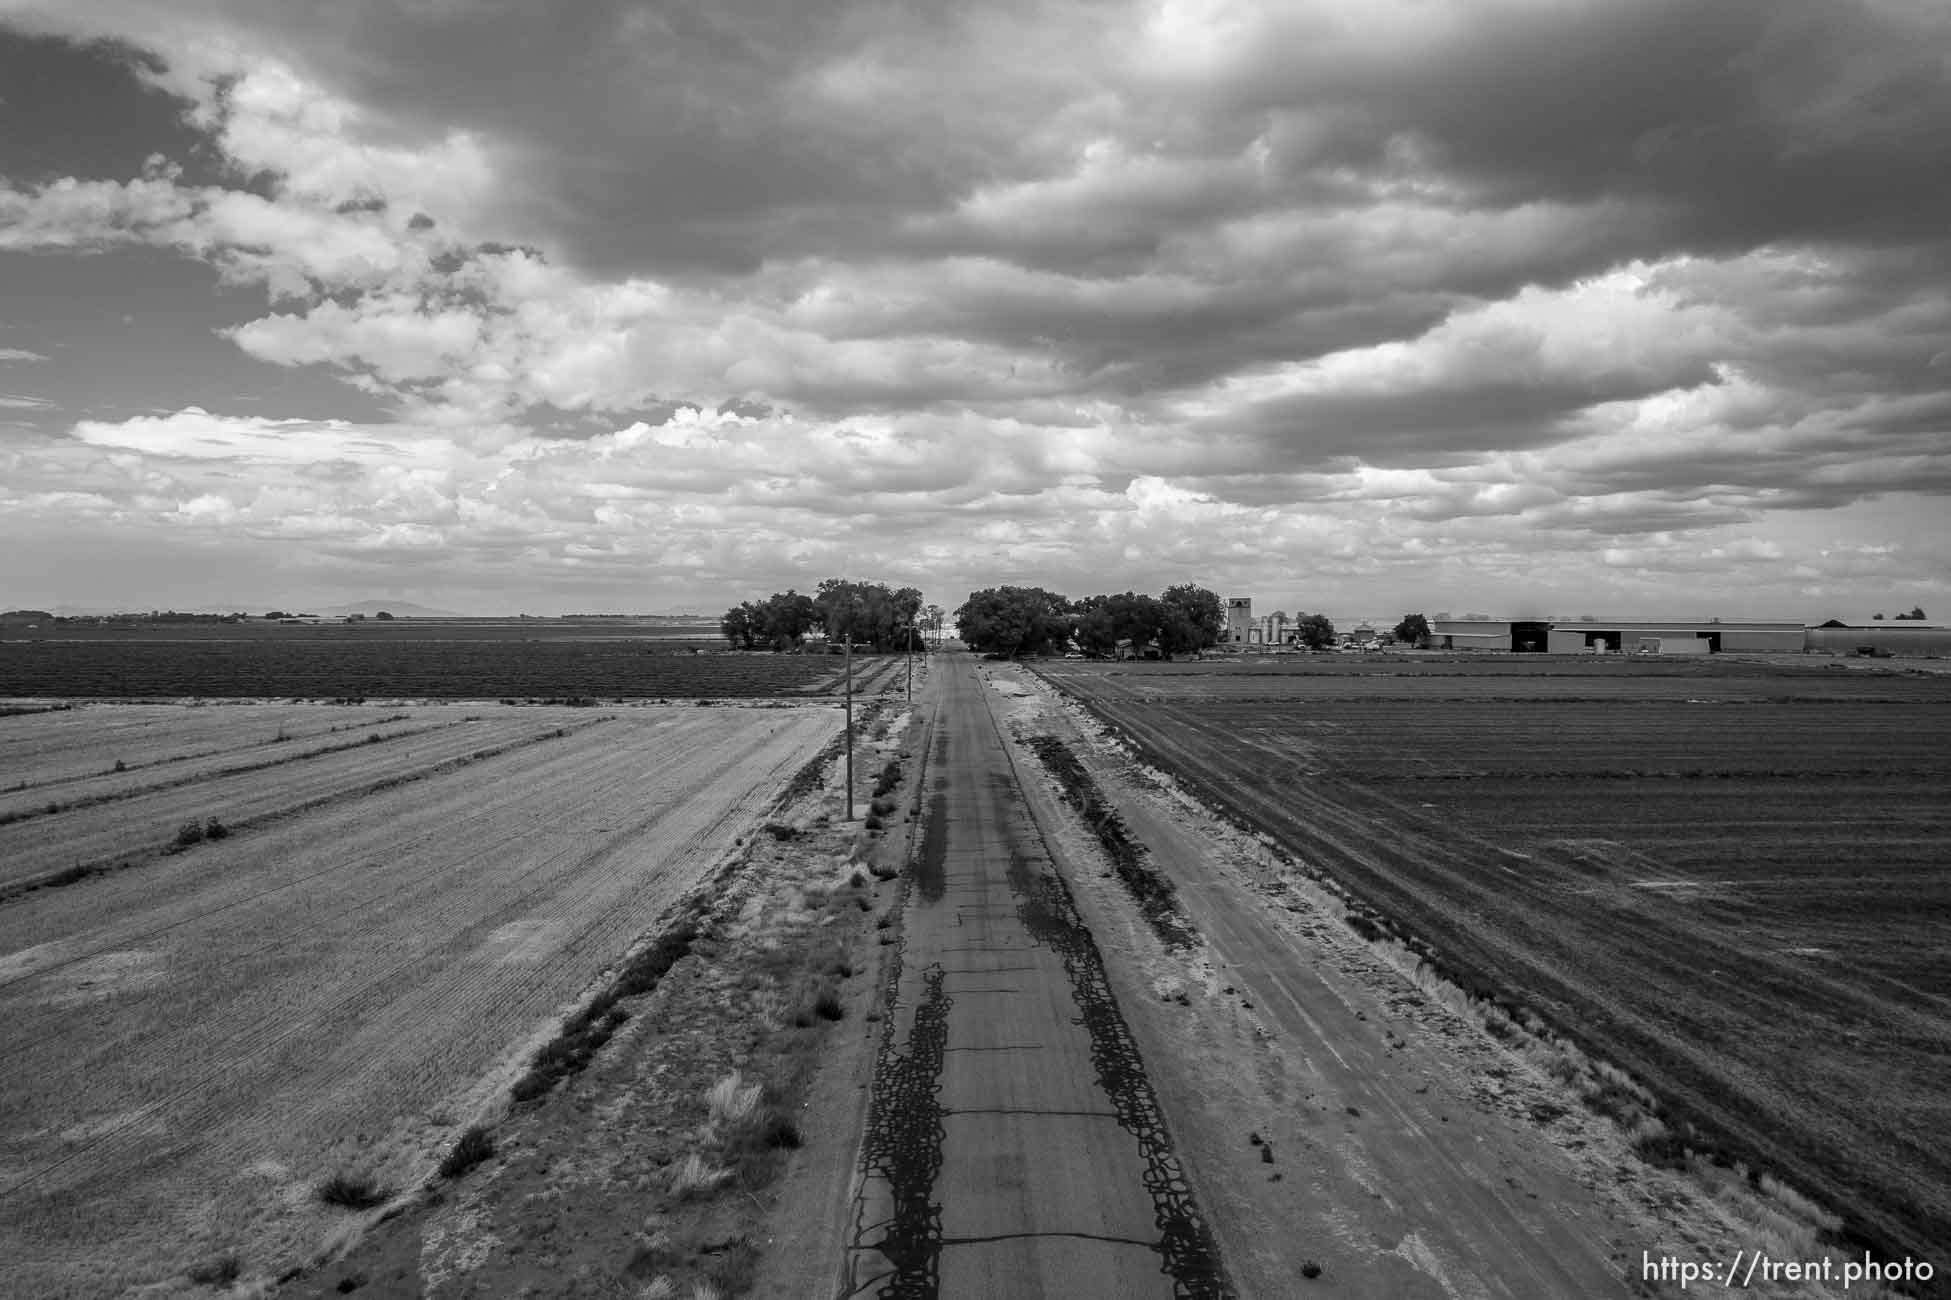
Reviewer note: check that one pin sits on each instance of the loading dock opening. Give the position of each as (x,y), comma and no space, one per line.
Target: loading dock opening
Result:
(1530,638)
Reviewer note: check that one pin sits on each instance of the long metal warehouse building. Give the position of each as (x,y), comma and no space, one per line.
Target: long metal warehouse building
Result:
(1661,636)
(1677,636)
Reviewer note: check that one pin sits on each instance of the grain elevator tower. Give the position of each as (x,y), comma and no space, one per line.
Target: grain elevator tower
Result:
(1239,619)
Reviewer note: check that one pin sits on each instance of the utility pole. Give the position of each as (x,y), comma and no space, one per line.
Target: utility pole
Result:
(910,694)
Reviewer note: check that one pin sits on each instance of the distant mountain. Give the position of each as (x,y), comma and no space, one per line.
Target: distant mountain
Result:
(398,608)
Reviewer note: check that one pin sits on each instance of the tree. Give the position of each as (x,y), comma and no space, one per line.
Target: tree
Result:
(1916,614)
(785,618)
(736,627)
(1314,631)
(1878,616)
(931,618)
(383,616)
(1414,629)
(1195,618)
(1013,620)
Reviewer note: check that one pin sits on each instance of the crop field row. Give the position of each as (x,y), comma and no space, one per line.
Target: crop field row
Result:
(145,822)
(194,1045)
(416,669)
(1554,740)
(1747,905)
(56,746)
(54,797)
(1325,679)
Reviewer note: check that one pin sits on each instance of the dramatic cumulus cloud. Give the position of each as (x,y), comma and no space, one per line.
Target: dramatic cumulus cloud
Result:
(1401,297)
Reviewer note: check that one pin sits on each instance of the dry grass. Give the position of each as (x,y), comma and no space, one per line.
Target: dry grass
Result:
(731,1100)
(694,1174)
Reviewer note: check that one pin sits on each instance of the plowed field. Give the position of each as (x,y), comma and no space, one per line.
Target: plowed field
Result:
(195,1042)
(1734,880)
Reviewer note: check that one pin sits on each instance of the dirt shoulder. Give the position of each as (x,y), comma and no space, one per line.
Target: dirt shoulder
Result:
(1349,1126)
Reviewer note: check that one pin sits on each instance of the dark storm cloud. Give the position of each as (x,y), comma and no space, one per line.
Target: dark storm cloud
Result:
(1753,120)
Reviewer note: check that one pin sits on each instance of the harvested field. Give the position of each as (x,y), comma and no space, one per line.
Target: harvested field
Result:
(133,821)
(196,1045)
(1730,879)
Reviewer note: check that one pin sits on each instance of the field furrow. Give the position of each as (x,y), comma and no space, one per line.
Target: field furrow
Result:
(88,791)
(63,745)
(145,824)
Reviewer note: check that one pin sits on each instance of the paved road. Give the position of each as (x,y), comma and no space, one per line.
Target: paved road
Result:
(1014,1145)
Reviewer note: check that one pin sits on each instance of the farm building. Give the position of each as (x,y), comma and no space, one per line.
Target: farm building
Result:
(1897,637)
(1239,620)
(1489,634)
(1668,636)
(1617,636)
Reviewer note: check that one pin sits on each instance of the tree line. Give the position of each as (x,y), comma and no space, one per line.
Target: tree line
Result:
(870,613)
(1183,619)
(1029,620)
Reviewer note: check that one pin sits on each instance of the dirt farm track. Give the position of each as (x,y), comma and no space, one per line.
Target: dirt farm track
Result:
(1733,879)
(406,895)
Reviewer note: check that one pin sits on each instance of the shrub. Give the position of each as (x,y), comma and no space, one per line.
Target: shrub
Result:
(476,1145)
(883,805)
(733,1267)
(215,830)
(824,1004)
(873,822)
(1660,1147)
(530,1086)
(121,766)
(349,1191)
(190,832)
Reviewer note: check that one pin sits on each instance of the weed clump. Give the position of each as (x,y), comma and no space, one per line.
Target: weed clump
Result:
(476,1145)
(825,1005)
(352,1191)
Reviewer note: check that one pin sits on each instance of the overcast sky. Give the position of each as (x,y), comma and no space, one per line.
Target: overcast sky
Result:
(1521,306)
